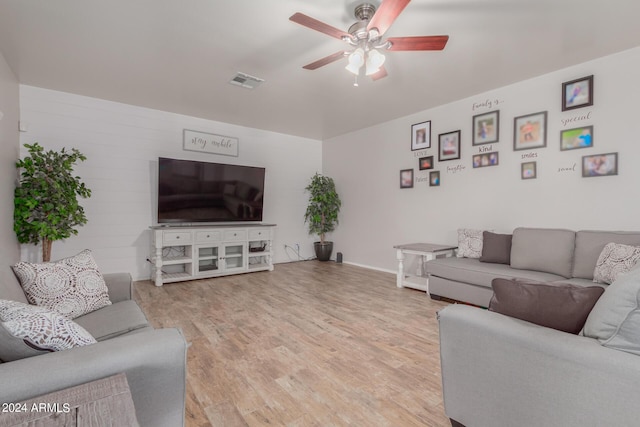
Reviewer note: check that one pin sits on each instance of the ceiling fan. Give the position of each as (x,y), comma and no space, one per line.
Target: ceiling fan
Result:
(365,38)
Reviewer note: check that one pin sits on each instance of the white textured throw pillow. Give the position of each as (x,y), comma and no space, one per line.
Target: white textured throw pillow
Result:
(41,328)
(72,286)
(614,259)
(469,243)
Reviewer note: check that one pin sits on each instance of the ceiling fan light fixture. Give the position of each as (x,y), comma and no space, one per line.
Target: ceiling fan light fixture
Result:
(374,61)
(356,60)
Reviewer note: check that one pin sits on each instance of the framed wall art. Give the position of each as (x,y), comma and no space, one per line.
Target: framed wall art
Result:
(486,128)
(486,159)
(406,178)
(600,165)
(425,163)
(577,93)
(528,170)
(434,179)
(530,131)
(449,146)
(421,136)
(571,139)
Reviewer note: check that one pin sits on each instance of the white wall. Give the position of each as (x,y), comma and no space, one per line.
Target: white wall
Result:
(122,144)
(377,214)
(9,115)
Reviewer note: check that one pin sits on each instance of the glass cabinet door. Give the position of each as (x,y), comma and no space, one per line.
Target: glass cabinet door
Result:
(208,259)
(234,256)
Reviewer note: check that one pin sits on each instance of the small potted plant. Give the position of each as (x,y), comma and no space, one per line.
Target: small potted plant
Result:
(46,205)
(322,212)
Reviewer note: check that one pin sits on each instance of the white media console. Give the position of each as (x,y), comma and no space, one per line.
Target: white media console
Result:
(182,253)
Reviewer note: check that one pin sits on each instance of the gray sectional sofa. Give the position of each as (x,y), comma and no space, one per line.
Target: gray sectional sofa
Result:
(541,254)
(501,371)
(154,360)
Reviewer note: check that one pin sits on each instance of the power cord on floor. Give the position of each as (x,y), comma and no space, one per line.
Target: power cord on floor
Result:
(296,251)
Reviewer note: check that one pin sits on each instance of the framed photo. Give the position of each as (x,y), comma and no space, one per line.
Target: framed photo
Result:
(434,179)
(486,128)
(528,170)
(600,165)
(485,159)
(571,139)
(577,93)
(449,146)
(421,136)
(426,163)
(406,178)
(530,131)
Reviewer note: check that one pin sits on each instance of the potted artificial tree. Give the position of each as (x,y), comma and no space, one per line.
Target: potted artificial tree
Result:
(46,205)
(322,212)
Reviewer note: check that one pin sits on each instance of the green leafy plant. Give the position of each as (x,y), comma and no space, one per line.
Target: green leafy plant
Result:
(46,205)
(324,206)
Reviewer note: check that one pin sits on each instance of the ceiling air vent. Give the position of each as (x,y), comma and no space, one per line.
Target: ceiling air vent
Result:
(246,81)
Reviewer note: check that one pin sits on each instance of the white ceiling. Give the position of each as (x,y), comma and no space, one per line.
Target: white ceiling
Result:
(179,55)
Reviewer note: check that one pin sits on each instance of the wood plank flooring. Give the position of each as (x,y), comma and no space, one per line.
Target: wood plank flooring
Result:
(309,344)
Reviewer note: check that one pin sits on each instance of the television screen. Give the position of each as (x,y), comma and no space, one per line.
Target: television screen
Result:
(191,191)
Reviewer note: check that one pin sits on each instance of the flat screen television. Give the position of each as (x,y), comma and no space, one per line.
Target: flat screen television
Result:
(191,191)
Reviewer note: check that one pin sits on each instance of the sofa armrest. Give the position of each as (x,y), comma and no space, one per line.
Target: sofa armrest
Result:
(154,362)
(499,371)
(120,286)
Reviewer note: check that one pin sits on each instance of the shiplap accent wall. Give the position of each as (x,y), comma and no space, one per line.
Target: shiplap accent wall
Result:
(491,198)
(10,109)
(122,144)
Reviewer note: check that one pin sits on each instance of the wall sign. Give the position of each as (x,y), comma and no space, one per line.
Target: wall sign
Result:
(210,143)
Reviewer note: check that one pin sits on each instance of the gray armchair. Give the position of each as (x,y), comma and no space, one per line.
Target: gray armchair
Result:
(154,360)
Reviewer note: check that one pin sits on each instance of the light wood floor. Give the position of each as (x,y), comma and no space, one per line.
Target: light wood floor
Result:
(309,344)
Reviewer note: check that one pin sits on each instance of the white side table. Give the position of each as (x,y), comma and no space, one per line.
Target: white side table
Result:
(424,252)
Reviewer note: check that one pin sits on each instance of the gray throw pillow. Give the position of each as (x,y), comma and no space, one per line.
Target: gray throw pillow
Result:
(559,306)
(496,248)
(615,319)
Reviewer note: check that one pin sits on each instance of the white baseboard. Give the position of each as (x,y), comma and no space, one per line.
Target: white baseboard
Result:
(370,267)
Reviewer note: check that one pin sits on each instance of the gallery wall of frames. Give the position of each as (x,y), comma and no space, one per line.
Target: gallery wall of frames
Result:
(558,150)
(529,135)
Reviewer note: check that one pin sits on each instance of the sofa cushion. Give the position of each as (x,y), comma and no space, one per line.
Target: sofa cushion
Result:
(467,270)
(496,248)
(72,286)
(580,282)
(559,306)
(543,249)
(28,330)
(113,320)
(615,259)
(615,319)
(589,245)
(469,243)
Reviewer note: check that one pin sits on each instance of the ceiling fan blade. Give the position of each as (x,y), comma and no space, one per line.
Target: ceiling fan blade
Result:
(382,72)
(324,61)
(418,43)
(314,24)
(386,14)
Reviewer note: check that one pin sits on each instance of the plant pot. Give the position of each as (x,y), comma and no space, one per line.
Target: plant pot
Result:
(323,250)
